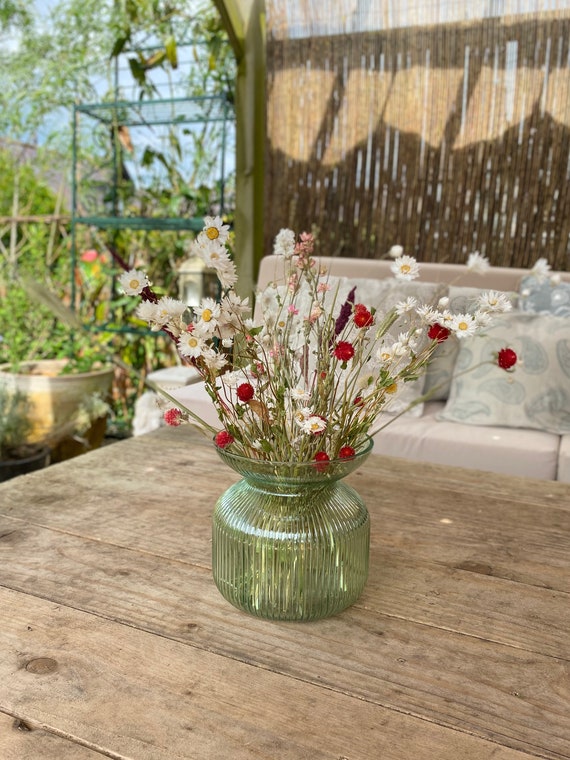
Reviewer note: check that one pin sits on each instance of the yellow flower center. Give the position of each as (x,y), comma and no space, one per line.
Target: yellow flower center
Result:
(392,388)
(462,326)
(207,315)
(213,233)
(192,342)
(134,284)
(405,268)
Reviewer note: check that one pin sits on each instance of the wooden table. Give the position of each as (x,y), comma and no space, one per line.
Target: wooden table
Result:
(115,643)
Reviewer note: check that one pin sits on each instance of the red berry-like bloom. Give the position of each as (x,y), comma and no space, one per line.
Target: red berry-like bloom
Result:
(438,332)
(245,392)
(343,351)
(223,439)
(362,317)
(346,452)
(321,459)
(173,417)
(506,358)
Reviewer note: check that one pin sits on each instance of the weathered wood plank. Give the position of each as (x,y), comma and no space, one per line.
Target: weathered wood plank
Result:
(461,625)
(468,601)
(143,697)
(509,528)
(21,741)
(475,653)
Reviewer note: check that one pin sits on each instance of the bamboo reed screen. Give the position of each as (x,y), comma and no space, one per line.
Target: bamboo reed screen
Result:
(444,137)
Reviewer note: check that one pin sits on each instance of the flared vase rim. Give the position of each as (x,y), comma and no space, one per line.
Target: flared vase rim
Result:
(362,452)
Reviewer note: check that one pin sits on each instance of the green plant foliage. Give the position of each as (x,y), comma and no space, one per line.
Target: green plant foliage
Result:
(15,424)
(60,58)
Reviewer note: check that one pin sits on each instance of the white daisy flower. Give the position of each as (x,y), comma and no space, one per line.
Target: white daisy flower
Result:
(212,252)
(133,282)
(482,318)
(404,307)
(204,330)
(190,344)
(541,269)
(463,325)
(209,311)
(298,394)
(400,348)
(169,310)
(232,304)
(284,244)
(302,413)
(494,301)
(233,379)
(385,355)
(227,273)
(366,381)
(215,229)
(146,311)
(427,314)
(478,263)
(312,424)
(214,361)
(395,252)
(405,268)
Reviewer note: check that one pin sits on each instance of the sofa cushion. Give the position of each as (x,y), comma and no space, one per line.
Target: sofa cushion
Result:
(545,296)
(536,395)
(508,451)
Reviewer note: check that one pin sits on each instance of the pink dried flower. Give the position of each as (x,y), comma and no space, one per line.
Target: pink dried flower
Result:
(173,417)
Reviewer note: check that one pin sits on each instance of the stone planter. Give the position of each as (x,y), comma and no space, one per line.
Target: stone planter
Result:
(54,400)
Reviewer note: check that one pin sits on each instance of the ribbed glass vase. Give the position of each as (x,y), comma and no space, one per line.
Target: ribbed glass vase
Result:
(291,541)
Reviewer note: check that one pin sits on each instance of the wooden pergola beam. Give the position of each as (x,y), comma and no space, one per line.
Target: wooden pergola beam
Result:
(244,21)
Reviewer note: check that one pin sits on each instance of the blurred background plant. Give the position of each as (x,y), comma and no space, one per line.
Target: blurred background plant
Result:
(87,51)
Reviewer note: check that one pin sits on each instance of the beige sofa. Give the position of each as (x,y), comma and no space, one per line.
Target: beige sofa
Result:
(427,437)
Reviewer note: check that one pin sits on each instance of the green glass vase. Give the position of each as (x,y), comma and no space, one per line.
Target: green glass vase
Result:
(291,541)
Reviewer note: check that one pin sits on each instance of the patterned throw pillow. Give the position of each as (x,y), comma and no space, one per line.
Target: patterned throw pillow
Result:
(535,395)
(543,297)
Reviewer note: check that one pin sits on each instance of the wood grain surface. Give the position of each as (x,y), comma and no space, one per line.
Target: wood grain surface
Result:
(114,641)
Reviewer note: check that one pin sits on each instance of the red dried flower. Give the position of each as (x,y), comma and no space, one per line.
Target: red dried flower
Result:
(173,417)
(245,392)
(347,452)
(506,358)
(343,351)
(438,332)
(321,459)
(223,439)
(362,317)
